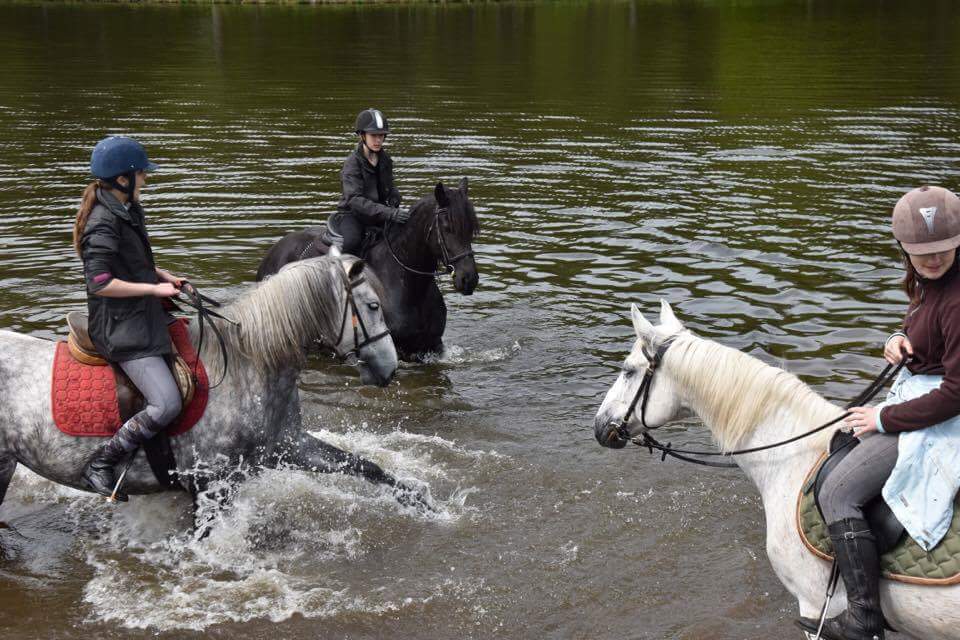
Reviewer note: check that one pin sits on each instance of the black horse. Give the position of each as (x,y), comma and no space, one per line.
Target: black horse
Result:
(406,259)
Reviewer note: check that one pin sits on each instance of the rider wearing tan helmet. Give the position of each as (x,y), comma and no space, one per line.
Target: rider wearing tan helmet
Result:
(921,414)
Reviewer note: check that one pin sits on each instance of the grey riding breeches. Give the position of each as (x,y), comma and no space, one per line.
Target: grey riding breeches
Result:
(153,379)
(859,477)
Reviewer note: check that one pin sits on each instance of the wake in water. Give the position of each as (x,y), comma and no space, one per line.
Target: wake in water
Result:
(456,355)
(289,542)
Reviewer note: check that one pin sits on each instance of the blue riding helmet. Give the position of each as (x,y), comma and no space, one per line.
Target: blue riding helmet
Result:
(117,156)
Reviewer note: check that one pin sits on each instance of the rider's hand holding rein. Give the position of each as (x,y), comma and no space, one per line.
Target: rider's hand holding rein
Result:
(863,420)
(897,346)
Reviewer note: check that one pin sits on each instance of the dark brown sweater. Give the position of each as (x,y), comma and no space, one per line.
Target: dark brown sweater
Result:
(933,327)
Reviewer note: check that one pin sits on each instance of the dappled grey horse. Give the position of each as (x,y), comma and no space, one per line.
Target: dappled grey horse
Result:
(252,417)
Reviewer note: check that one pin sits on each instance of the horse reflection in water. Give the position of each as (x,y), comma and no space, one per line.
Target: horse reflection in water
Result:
(746,403)
(252,417)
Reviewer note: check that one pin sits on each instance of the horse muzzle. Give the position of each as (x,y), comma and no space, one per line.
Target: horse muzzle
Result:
(611,433)
(465,276)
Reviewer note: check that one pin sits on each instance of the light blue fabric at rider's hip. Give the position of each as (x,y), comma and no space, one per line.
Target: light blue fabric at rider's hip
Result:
(925,480)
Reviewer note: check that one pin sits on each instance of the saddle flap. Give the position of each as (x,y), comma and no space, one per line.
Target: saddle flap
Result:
(129,399)
(878,514)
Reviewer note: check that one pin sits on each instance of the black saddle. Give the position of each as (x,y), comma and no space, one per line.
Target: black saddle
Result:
(883,523)
(328,236)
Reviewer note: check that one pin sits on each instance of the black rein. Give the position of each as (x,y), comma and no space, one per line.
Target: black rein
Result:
(448,262)
(650,443)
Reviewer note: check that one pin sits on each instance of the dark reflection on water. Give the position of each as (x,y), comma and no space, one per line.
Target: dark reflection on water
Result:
(739,160)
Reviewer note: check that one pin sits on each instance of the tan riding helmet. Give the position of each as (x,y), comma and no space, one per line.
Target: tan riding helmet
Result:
(927,220)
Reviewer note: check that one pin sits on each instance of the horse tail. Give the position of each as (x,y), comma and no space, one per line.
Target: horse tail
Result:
(87,202)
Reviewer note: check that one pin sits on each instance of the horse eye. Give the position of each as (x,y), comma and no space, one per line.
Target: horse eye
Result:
(373,305)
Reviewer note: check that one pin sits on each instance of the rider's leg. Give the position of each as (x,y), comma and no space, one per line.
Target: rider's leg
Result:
(858,479)
(350,227)
(153,378)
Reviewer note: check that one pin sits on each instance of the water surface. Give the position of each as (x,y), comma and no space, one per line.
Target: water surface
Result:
(737,159)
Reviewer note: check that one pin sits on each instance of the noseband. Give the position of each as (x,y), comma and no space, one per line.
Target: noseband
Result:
(356,321)
(447,261)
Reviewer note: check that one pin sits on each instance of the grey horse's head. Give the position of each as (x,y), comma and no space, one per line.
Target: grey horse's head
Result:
(328,300)
(363,333)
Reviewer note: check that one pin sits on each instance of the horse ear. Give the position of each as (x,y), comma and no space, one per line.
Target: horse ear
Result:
(334,251)
(463,185)
(667,317)
(356,268)
(640,324)
(441,195)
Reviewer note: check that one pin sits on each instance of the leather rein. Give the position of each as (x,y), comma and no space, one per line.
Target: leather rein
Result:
(448,262)
(647,441)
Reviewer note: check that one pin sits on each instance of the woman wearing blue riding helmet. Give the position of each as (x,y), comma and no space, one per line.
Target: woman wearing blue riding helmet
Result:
(128,324)
(369,198)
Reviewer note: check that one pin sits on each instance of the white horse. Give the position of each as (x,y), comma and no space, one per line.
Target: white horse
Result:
(746,403)
(252,417)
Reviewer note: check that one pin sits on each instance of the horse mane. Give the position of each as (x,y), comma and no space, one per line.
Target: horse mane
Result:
(284,314)
(734,392)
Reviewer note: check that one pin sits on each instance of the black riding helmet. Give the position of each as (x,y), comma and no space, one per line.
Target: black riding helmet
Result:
(371,121)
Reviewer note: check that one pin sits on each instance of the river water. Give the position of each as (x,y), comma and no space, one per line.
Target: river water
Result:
(737,159)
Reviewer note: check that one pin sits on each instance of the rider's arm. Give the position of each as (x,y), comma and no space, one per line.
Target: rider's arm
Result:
(370,211)
(940,404)
(99,244)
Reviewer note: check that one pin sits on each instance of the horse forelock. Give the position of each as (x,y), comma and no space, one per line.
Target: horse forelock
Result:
(285,313)
(734,392)
(463,217)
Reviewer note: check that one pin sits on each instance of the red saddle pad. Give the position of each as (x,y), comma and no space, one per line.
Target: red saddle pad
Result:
(84,397)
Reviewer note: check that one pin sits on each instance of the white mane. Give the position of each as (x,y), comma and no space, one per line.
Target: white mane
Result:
(284,314)
(734,393)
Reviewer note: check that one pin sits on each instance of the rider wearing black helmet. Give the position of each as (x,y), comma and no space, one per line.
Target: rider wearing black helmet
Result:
(128,324)
(369,195)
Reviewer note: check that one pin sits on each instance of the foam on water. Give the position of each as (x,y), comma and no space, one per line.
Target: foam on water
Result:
(267,555)
(455,354)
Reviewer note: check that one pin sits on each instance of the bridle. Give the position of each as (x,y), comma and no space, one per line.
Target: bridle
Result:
(449,263)
(356,322)
(646,440)
(643,391)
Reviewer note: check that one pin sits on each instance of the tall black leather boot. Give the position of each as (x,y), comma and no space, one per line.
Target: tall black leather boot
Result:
(100,473)
(856,552)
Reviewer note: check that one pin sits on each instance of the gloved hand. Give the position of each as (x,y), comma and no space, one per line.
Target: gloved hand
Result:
(393,201)
(400,216)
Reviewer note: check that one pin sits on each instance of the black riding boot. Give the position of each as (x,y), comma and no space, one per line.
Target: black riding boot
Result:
(100,473)
(856,551)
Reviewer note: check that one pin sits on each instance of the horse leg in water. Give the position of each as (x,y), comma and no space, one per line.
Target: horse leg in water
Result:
(8,464)
(312,454)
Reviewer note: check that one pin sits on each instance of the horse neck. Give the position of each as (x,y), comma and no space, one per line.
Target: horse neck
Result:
(278,320)
(411,244)
(779,407)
